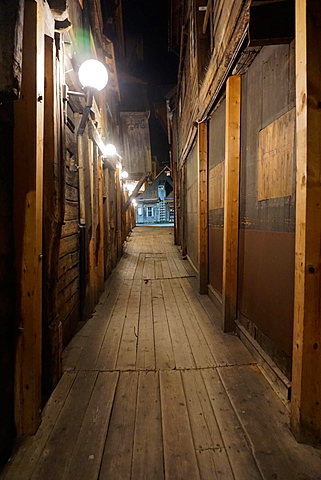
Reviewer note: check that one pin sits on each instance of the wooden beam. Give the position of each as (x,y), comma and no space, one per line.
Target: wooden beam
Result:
(202,207)
(28,198)
(118,213)
(306,378)
(135,192)
(231,202)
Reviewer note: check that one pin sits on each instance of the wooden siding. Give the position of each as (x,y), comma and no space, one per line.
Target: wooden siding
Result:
(196,88)
(275,158)
(269,85)
(216,195)
(192,207)
(136,139)
(216,187)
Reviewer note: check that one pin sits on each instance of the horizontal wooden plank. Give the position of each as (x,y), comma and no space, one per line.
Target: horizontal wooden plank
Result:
(69,228)
(71,210)
(68,245)
(67,262)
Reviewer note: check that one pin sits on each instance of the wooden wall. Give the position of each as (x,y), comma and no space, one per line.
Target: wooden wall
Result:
(136,141)
(267,202)
(192,207)
(46,178)
(216,196)
(199,81)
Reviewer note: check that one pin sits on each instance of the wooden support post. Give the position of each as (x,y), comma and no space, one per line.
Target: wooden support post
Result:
(28,189)
(118,213)
(183,210)
(306,378)
(202,208)
(100,227)
(231,202)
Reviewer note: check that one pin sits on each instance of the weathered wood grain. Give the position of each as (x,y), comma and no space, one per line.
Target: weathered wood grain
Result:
(179,451)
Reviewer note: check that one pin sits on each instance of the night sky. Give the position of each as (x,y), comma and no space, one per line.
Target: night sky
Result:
(150,18)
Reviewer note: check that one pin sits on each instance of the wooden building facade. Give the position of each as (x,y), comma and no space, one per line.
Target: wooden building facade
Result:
(245,128)
(61,196)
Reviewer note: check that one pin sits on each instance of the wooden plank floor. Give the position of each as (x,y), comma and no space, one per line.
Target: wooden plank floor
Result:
(152,389)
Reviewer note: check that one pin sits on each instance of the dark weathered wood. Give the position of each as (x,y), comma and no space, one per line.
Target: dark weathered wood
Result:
(117,458)
(67,427)
(11,41)
(28,190)
(203,207)
(33,446)
(306,396)
(86,456)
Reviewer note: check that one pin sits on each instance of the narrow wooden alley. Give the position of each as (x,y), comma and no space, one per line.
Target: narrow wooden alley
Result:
(152,389)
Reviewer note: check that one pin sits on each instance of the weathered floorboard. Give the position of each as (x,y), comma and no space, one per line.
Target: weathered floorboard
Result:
(153,389)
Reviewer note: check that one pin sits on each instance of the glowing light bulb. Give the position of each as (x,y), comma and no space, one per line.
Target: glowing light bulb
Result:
(93,74)
(124,174)
(110,149)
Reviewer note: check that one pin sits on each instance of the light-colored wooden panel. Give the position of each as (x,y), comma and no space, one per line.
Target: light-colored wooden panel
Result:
(126,359)
(200,349)
(148,442)
(163,343)
(179,451)
(108,344)
(231,201)
(183,355)
(275,158)
(146,347)
(235,442)
(216,187)
(206,432)
(28,222)
(117,459)
(306,374)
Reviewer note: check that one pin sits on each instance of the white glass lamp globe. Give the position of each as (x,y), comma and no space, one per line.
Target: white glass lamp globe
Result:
(110,149)
(93,74)
(124,174)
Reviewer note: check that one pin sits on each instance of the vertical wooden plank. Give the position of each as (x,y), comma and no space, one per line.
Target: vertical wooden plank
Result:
(118,212)
(53,219)
(231,201)
(117,458)
(148,443)
(100,228)
(202,207)
(28,186)
(87,453)
(306,378)
(183,210)
(179,450)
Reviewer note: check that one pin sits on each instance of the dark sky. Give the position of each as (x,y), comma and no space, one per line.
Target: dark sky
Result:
(150,18)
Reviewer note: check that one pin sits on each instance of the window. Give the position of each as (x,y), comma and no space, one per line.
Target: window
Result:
(140,211)
(149,211)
